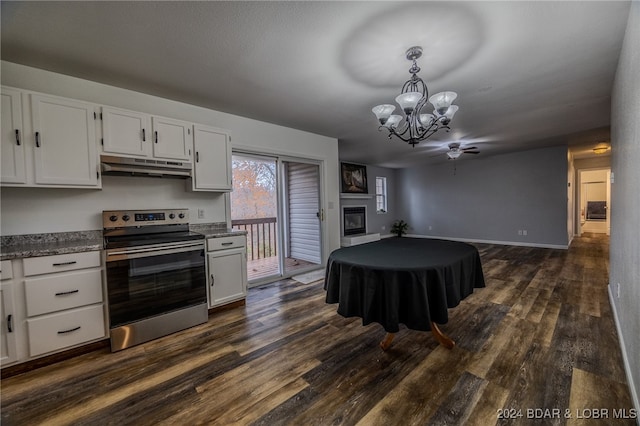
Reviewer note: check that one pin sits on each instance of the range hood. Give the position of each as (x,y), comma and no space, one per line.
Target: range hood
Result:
(125,166)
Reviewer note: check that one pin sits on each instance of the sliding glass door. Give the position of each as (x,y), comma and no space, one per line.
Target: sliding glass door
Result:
(277,201)
(302,216)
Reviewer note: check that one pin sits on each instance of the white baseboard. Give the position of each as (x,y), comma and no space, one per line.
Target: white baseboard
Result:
(625,358)
(504,243)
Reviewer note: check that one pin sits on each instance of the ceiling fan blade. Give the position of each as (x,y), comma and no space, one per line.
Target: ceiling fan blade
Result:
(469,148)
(471,152)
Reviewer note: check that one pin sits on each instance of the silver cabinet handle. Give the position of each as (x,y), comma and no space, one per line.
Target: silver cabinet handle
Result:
(10,323)
(226,244)
(213,280)
(18,137)
(37,139)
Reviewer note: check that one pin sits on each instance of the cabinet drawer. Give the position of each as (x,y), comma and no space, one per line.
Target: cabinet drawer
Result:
(226,242)
(61,263)
(69,328)
(6,272)
(63,291)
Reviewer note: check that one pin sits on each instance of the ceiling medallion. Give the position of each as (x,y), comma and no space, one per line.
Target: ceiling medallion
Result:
(416,126)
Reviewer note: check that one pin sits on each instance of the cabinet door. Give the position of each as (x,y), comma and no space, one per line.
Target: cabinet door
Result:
(125,132)
(227,276)
(65,141)
(12,138)
(7,331)
(172,139)
(212,159)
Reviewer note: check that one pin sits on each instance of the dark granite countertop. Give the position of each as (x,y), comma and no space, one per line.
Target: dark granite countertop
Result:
(216,230)
(35,245)
(46,244)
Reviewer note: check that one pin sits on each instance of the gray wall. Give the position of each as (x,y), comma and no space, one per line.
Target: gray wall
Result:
(625,199)
(377,222)
(489,199)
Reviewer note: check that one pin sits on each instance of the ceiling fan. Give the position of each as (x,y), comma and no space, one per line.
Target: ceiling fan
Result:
(455,151)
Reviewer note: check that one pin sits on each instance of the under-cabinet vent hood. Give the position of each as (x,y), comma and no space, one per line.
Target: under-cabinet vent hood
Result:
(124,166)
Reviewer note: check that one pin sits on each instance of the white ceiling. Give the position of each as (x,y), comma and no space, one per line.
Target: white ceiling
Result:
(527,74)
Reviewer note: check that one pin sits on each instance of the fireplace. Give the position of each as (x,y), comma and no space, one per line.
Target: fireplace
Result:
(354,220)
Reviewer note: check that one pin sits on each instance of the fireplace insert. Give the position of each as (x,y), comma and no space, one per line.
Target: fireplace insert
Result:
(354,220)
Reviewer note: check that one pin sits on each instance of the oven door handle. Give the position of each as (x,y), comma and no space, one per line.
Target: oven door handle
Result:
(153,251)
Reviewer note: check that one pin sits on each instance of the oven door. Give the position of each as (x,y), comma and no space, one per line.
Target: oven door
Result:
(147,281)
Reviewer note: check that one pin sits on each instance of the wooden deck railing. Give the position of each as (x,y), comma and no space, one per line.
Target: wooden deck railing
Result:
(261,236)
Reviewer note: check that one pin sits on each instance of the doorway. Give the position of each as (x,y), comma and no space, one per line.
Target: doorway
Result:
(277,201)
(594,201)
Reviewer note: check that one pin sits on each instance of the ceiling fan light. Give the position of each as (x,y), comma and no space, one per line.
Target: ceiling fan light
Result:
(383,112)
(600,149)
(408,101)
(392,121)
(454,153)
(442,101)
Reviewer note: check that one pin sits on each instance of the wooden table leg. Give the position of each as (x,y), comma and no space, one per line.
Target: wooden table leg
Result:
(442,338)
(386,342)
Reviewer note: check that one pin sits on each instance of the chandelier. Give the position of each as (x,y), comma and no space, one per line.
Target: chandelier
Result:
(416,125)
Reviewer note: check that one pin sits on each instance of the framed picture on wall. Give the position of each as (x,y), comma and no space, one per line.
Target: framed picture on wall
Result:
(353,178)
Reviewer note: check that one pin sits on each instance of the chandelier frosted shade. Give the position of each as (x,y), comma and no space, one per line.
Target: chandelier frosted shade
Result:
(393,121)
(442,101)
(408,101)
(448,115)
(416,125)
(383,112)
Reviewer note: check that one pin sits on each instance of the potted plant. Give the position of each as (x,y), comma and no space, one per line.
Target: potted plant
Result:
(399,227)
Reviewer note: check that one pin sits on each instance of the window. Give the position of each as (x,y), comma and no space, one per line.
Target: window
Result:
(381,194)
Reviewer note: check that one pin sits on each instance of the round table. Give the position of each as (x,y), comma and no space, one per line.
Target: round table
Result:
(413,281)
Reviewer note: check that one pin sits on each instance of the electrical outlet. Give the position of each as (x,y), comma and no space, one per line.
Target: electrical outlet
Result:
(524,232)
(519,231)
(200,213)
(383,227)
(430,227)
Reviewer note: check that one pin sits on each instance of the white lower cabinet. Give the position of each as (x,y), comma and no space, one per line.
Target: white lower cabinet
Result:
(8,343)
(49,333)
(227,267)
(50,304)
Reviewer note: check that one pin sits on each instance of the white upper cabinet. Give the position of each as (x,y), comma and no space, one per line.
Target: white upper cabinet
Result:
(136,134)
(212,159)
(64,134)
(125,132)
(172,139)
(13,168)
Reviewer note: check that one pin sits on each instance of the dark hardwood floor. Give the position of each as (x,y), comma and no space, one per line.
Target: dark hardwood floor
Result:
(540,336)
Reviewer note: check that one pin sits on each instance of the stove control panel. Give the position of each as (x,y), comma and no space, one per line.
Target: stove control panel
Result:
(126,218)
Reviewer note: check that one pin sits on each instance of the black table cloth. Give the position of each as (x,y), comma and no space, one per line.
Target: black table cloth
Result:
(412,281)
